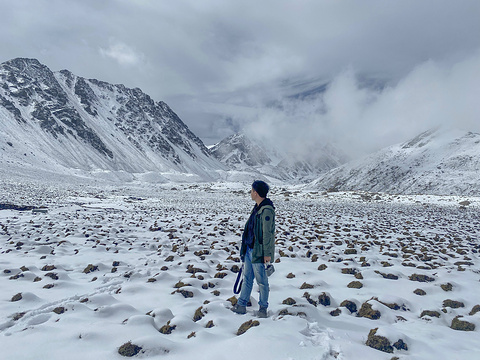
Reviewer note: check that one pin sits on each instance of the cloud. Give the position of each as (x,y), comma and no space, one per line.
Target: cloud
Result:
(122,53)
(359,119)
(224,64)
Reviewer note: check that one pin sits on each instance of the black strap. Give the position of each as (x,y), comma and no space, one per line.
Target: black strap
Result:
(238,283)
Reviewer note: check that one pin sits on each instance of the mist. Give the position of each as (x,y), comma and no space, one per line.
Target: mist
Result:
(360,120)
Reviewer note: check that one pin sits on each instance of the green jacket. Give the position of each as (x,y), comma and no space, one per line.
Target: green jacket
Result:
(264,233)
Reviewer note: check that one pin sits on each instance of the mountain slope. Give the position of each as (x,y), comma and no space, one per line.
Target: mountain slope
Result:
(440,161)
(59,121)
(243,153)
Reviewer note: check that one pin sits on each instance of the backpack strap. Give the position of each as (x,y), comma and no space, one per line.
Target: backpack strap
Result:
(237,287)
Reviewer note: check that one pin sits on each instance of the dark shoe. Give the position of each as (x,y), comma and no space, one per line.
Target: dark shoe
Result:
(262,313)
(238,309)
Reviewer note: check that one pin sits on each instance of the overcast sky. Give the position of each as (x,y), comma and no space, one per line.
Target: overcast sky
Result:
(224,66)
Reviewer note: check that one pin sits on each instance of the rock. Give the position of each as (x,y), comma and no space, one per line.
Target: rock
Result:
(419,292)
(453,304)
(421,278)
(367,312)
(90,268)
(289,301)
(430,313)
(462,325)
(475,309)
(306,286)
(198,314)
(336,312)
(246,326)
(447,287)
(355,285)
(400,345)
(378,342)
(167,329)
(350,305)
(324,299)
(17,297)
(129,349)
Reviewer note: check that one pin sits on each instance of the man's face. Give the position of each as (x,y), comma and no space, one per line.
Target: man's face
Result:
(253,194)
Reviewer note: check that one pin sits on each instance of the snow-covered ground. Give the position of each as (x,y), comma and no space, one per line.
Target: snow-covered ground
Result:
(154,266)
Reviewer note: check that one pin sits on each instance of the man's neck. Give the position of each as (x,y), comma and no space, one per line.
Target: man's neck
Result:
(259,201)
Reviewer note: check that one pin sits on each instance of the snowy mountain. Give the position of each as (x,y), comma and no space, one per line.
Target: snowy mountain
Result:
(243,153)
(57,122)
(440,161)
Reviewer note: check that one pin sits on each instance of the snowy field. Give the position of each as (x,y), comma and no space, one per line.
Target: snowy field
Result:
(149,271)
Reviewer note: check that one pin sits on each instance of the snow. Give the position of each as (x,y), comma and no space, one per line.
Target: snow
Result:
(439,161)
(143,238)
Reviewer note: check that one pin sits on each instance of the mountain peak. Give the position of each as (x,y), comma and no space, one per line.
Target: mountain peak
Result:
(68,122)
(440,161)
(242,152)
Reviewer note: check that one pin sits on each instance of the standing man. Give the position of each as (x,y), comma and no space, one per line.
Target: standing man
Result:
(258,249)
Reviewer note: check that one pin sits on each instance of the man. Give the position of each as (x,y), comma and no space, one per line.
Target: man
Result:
(258,249)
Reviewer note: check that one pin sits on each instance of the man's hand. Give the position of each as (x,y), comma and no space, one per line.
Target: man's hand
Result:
(267,259)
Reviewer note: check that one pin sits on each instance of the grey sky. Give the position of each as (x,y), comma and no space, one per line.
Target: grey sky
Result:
(227,65)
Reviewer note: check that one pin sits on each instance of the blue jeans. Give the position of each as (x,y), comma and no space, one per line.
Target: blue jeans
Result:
(251,271)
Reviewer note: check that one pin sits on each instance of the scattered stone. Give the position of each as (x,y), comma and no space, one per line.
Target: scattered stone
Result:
(462,325)
(186,294)
(90,268)
(453,304)
(336,312)
(289,301)
(419,292)
(53,276)
(198,314)
(210,325)
(366,311)
(307,296)
(17,297)
(246,326)
(378,342)
(349,271)
(18,316)
(400,345)
(233,300)
(387,276)
(421,278)
(59,310)
(350,305)
(359,276)
(180,284)
(48,268)
(475,309)
(322,267)
(355,285)
(430,313)
(324,299)
(129,349)
(447,287)
(306,286)
(167,329)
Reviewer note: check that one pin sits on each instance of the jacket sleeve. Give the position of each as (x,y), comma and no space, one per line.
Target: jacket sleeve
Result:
(268,219)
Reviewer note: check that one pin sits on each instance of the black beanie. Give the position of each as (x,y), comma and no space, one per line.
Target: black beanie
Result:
(260,187)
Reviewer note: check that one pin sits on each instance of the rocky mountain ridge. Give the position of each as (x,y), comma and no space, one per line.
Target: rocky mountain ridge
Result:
(244,153)
(60,121)
(439,161)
